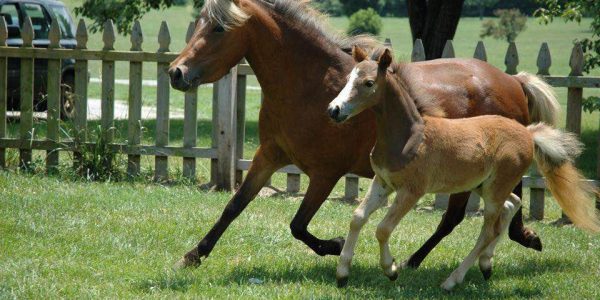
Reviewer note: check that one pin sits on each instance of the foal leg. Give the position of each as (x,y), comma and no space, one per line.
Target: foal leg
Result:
(318,189)
(375,198)
(401,206)
(489,231)
(451,218)
(259,173)
(511,205)
(518,232)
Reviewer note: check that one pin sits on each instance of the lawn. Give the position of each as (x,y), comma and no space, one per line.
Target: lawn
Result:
(65,237)
(72,239)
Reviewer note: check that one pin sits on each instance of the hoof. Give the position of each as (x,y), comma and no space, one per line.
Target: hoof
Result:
(342,282)
(487,273)
(393,277)
(186,262)
(528,238)
(448,285)
(339,241)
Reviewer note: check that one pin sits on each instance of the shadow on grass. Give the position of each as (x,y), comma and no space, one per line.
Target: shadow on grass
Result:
(369,281)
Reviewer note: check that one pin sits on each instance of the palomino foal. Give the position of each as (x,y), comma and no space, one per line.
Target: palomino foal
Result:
(415,154)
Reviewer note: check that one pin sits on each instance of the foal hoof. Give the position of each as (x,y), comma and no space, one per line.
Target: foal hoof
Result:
(394,276)
(487,273)
(342,282)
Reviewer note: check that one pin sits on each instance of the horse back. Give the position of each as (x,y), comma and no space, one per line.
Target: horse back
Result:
(461,88)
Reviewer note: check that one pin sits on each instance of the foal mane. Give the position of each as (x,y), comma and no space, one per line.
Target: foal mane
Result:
(428,108)
(227,14)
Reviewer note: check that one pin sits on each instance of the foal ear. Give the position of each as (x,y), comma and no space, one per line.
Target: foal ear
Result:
(385,59)
(358,54)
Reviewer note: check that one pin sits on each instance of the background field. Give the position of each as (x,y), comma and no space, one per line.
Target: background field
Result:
(62,237)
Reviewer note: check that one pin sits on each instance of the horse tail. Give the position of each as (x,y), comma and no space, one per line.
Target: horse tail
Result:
(542,103)
(555,152)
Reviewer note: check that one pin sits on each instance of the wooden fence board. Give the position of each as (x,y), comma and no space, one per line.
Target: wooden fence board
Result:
(161,163)
(3,91)
(134,134)
(54,99)
(26,93)
(190,125)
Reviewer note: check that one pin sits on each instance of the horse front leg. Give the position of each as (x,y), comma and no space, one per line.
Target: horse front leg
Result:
(451,218)
(319,188)
(263,166)
(376,197)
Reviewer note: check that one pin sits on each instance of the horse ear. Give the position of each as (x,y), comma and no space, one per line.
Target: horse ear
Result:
(358,54)
(385,59)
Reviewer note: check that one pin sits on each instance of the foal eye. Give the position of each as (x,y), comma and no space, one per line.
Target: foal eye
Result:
(370,83)
(218,29)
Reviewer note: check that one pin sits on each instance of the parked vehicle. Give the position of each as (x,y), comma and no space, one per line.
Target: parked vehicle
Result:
(41,13)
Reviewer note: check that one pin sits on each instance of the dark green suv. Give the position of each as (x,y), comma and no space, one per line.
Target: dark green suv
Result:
(41,14)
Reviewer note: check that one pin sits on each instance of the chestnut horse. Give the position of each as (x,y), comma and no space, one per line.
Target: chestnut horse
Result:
(301,66)
(415,154)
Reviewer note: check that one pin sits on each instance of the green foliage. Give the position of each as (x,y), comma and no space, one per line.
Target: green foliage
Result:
(365,21)
(123,13)
(331,7)
(574,11)
(511,22)
(352,6)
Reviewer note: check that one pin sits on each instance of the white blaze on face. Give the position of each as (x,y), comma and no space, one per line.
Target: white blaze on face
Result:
(344,95)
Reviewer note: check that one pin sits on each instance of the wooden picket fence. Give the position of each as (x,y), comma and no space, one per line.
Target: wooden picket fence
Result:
(229,105)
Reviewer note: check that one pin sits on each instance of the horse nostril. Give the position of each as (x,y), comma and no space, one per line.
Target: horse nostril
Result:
(176,74)
(334,112)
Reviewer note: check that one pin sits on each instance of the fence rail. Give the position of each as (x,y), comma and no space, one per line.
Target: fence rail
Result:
(229,107)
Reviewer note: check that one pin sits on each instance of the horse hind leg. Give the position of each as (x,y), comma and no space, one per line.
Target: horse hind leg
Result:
(518,232)
(491,213)
(401,206)
(510,207)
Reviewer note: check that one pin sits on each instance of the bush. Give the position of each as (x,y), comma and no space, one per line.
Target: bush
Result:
(331,7)
(510,24)
(365,21)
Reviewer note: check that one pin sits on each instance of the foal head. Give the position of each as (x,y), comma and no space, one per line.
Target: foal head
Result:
(364,87)
(218,43)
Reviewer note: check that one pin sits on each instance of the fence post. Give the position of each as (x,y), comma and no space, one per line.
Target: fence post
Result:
(226,130)
(511,60)
(448,51)
(161,163)
(351,188)
(190,120)
(81,85)
(26,89)
(536,195)
(108,90)
(3,91)
(54,99)
(134,126)
(418,52)
(241,123)
(574,95)
(480,52)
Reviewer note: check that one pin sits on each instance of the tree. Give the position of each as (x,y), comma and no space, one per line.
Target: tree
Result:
(123,13)
(352,6)
(365,21)
(573,11)
(434,22)
(481,5)
(508,27)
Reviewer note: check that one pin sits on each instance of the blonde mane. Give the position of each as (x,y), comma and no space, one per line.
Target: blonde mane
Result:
(229,15)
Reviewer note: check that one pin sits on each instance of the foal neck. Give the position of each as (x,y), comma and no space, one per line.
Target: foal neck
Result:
(399,126)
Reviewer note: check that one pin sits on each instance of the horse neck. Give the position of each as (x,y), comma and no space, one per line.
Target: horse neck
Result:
(290,64)
(398,119)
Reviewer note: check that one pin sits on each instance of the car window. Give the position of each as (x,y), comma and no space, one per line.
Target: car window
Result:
(38,20)
(11,16)
(64,20)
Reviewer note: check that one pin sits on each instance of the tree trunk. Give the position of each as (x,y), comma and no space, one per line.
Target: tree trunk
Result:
(434,22)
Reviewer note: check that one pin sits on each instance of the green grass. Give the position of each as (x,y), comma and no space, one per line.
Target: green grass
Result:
(118,240)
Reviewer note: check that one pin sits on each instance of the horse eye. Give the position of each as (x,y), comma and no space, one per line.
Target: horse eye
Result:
(370,83)
(218,29)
